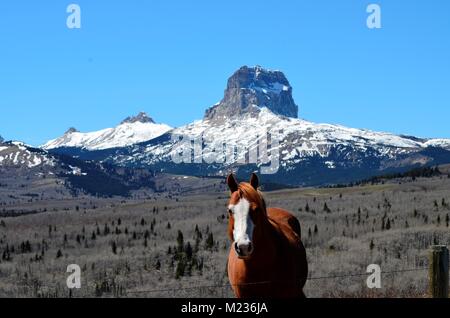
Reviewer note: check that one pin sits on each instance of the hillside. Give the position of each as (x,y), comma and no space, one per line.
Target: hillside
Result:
(128,247)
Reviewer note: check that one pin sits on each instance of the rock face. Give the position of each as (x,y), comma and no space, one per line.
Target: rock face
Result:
(71,130)
(140,118)
(1,139)
(251,88)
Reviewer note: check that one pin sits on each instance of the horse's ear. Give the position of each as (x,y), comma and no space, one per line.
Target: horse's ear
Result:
(232,184)
(254,181)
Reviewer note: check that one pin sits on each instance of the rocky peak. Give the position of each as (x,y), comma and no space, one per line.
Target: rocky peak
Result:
(1,139)
(71,130)
(142,117)
(251,88)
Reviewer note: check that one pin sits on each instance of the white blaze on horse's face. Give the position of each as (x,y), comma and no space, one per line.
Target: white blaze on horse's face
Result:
(243,228)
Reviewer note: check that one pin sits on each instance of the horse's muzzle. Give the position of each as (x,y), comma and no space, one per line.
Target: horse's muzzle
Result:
(243,250)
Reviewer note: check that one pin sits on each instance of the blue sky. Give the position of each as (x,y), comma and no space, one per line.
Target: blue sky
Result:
(171,58)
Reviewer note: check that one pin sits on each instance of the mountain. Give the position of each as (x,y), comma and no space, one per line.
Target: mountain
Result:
(25,168)
(250,89)
(257,106)
(132,130)
(15,154)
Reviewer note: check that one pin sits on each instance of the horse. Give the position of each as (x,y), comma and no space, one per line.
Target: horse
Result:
(267,258)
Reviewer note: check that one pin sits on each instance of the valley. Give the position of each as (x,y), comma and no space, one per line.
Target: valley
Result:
(174,243)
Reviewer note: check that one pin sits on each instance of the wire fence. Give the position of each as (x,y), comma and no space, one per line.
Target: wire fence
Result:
(222,290)
(310,278)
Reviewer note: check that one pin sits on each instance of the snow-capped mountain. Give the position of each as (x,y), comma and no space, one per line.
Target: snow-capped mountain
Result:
(132,130)
(299,139)
(19,154)
(26,166)
(258,103)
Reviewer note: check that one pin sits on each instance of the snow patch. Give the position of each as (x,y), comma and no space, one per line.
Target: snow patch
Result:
(123,135)
(330,164)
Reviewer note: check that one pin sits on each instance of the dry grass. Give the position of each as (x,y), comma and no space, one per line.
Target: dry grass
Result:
(341,244)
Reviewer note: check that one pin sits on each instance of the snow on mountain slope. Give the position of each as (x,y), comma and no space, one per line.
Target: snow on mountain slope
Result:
(443,143)
(19,154)
(23,167)
(132,130)
(299,139)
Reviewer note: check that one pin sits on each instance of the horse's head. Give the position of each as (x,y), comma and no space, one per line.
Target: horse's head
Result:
(246,211)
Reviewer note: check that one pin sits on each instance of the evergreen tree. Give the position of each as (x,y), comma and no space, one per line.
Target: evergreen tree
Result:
(210,241)
(188,251)
(106,230)
(181,266)
(388,224)
(114,247)
(180,241)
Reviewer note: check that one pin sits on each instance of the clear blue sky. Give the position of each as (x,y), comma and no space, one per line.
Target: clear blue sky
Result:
(171,58)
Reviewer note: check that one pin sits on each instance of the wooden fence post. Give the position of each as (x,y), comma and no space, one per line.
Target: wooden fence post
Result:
(438,271)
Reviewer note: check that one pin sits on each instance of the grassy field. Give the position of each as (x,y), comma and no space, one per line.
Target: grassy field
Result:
(174,244)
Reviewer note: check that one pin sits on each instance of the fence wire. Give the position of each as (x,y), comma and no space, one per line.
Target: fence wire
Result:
(149,291)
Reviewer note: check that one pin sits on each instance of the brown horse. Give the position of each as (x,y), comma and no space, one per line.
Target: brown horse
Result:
(267,257)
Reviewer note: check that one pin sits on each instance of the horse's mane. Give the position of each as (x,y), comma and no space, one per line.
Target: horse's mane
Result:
(252,195)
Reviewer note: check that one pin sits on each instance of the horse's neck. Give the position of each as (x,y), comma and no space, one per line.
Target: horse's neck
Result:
(265,242)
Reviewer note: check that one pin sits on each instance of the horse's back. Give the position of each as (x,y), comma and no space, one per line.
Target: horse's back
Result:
(289,229)
(285,220)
